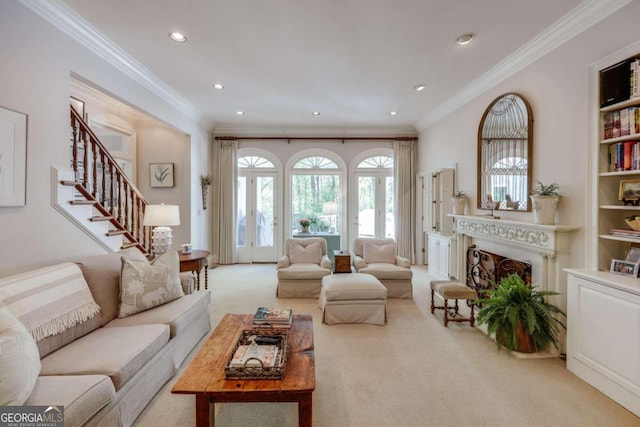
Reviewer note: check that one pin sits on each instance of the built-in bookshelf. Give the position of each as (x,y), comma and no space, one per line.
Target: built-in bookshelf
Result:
(617,161)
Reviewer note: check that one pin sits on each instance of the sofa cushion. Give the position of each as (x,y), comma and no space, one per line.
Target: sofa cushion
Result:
(385,271)
(341,287)
(144,285)
(379,253)
(116,352)
(81,395)
(358,244)
(19,360)
(303,271)
(304,254)
(102,273)
(49,300)
(178,314)
(50,344)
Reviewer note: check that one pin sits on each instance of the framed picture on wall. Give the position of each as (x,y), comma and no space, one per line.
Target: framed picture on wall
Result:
(161,175)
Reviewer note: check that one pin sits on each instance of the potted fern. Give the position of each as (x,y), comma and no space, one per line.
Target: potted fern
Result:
(545,200)
(519,316)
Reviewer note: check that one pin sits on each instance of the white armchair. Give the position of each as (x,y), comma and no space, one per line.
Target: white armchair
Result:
(378,257)
(301,269)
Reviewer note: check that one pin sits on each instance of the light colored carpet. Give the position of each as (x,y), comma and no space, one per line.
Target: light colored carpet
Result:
(411,372)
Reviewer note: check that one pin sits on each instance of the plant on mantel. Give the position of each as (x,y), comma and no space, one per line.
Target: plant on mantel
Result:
(205,182)
(545,200)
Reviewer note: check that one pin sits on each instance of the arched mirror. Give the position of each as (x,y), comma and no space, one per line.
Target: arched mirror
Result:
(505,140)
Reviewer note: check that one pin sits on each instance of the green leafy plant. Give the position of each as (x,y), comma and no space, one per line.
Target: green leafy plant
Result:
(305,222)
(513,304)
(545,190)
(205,180)
(458,194)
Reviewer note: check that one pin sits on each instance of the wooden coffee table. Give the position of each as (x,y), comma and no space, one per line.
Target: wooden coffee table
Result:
(205,377)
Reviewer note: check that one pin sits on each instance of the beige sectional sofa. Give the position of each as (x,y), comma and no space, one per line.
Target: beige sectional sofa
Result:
(105,369)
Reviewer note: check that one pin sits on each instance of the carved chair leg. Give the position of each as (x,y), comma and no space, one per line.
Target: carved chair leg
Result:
(433,306)
(456,306)
(446,311)
(472,319)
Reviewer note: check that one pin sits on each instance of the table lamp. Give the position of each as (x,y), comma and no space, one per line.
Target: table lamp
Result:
(160,217)
(330,208)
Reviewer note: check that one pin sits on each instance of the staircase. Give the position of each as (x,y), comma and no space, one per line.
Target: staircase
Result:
(97,196)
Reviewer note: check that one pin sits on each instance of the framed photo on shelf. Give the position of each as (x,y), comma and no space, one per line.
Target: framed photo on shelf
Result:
(624,268)
(629,190)
(161,175)
(633,255)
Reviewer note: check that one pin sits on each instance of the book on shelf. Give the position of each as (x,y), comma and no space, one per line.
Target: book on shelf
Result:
(624,122)
(624,156)
(624,232)
(246,355)
(276,317)
(616,123)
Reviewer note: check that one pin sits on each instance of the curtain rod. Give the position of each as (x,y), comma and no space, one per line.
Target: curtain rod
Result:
(322,138)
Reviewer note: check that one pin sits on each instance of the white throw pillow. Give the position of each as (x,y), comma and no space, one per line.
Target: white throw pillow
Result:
(19,360)
(383,253)
(144,286)
(311,253)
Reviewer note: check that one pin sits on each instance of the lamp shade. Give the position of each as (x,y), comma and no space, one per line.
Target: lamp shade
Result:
(161,215)
(330,208)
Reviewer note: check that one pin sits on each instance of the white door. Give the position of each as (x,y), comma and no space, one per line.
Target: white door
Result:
(374,215)
(257,222)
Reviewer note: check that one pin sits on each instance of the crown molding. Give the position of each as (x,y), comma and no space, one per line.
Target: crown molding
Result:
(65,19)
(579,19)
(293,131)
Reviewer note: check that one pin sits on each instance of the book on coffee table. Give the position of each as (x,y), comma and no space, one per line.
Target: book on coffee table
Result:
(277,318)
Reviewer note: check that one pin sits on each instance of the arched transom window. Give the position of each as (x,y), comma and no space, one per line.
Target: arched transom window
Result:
(254,162)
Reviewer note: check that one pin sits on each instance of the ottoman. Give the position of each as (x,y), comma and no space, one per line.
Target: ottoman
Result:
(353,298)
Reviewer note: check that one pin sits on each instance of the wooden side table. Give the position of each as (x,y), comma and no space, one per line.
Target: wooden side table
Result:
(342,263)
(194,262)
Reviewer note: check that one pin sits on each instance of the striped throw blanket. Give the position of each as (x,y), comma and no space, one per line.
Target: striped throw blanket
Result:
(49,300)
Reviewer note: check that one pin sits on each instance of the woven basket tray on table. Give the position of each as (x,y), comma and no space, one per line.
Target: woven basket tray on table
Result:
(254,370)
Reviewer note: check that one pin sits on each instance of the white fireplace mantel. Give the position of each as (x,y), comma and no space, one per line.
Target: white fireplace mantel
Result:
(547,240)
(546,246)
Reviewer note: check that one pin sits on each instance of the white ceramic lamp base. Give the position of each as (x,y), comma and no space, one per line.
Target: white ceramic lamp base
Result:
(161,240)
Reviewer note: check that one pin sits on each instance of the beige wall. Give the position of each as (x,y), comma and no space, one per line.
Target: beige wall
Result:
(557,88)
(37,61)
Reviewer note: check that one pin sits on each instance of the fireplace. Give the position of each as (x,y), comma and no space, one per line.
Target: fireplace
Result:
(484,269)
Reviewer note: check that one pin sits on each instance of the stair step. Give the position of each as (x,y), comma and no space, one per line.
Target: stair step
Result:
(70,183)
(100,218)
(82,202)
(116,232)
(129,245)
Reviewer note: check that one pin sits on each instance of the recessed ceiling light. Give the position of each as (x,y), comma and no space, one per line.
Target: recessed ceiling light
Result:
(178,37)
(240,113)
(419,88)
(218,86)
(316,113)
(393,113)
(465,39)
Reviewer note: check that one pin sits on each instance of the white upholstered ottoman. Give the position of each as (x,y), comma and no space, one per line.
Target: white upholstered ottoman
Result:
(353,298)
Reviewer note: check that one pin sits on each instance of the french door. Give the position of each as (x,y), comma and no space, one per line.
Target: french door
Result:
(257,225)
(374,216)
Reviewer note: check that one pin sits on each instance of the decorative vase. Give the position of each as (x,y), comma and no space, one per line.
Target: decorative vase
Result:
(544,209)
(459,204)
(205,192)
(304,229)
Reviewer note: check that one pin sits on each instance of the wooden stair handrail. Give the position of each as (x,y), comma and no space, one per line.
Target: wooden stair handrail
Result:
(127,215)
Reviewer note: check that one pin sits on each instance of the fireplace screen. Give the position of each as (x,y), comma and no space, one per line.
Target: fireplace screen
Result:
(484,269)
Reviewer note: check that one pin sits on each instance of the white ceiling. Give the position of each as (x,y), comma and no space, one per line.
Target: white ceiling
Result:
(354,61)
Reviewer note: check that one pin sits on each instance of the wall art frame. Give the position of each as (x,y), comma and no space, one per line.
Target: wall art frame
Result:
(13,158)
(161,175)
